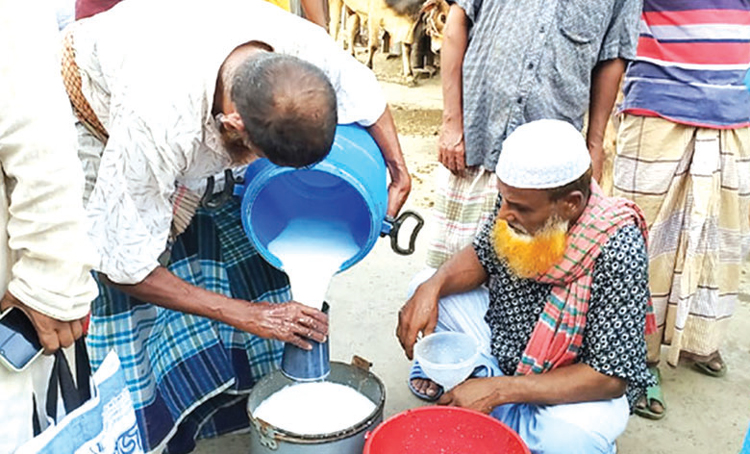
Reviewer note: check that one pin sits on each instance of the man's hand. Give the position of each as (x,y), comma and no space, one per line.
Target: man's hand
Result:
(419,314)
(451,151)
(596,150)
(288,322)
(476,394)
(53,334)
(398,189)
(383,131)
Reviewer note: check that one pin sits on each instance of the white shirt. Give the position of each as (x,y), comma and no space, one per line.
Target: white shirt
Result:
(149,70)
(45,256)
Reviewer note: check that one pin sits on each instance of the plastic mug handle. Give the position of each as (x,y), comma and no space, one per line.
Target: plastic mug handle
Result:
(391,227)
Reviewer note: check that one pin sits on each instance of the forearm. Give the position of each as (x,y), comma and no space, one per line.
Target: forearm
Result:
(451,62)
(383,131)
(315,11)
(287,322)
(605,84)
(570,384)
(164,289)
(461,273)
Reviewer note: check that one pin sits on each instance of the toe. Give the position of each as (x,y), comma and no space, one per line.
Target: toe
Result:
(656,407)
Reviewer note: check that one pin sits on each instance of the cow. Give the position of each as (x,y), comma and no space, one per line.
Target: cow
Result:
(398,18)
(434,14)
(428,35)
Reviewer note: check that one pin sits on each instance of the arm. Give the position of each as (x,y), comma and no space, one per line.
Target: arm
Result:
(50,257)
(605,84)
(570,384)
(315,12)
(461,273)
(385,135)
(288,322)
(451,151)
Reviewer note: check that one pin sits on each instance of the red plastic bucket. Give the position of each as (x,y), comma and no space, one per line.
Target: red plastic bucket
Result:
(434,430)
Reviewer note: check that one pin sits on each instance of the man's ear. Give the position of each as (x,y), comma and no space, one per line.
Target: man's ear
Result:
(573,204)
(233,122)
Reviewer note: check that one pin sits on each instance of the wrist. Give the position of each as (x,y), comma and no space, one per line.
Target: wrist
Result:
(502,391)
(227,310)
(452,120)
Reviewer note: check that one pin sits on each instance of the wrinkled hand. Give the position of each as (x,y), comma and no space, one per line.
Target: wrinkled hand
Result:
(288,322)
(418,315)
(596,150)
(451,151)
(53,334)
(475,394)
(398,190)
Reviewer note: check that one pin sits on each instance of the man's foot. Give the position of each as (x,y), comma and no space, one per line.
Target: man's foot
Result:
(655,408)
(715,367)
(426,387)
(421,386)
(652,405)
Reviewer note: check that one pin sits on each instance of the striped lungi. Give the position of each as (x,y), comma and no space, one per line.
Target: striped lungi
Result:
(462,205)
(188,374)
(693,185)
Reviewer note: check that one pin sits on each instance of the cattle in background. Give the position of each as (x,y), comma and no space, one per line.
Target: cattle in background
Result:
(434,14)
(428,36)
(398,18)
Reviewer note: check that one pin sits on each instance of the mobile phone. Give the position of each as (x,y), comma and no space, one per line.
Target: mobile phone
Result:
(19,343)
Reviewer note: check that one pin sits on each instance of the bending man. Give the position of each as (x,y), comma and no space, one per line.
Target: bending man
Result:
(227,82)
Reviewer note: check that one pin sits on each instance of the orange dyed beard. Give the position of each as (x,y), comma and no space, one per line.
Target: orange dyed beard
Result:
(526,255)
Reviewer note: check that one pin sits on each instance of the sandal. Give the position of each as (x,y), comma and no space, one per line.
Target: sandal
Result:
(417,373)
(653,394)
(704,368)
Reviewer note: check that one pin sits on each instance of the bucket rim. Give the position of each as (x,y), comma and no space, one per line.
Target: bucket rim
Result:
(435,409)
(270,172)
(438,366)
(285,435)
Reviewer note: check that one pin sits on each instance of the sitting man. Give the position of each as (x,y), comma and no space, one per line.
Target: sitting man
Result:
(555,290)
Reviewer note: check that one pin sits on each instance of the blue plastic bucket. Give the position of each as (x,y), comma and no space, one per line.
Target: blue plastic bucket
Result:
(347,188)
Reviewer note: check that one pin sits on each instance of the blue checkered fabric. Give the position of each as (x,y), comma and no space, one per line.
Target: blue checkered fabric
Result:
(187,374)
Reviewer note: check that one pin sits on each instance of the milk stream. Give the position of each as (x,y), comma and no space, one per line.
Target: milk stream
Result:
(311,251)
(314,408)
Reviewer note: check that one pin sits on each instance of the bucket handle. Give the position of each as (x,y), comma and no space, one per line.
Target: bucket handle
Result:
(392,226)
(211,201)
(266,433)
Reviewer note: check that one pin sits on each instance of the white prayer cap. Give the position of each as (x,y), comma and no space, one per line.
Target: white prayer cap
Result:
(543,154)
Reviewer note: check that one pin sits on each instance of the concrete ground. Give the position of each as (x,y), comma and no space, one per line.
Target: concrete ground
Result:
(705,415)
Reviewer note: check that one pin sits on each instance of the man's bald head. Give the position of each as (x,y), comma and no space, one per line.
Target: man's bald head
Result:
(288,107)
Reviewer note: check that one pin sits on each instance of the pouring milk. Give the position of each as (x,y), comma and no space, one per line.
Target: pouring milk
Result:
(311,251)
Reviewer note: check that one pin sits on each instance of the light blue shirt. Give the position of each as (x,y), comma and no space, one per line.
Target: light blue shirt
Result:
(532,59)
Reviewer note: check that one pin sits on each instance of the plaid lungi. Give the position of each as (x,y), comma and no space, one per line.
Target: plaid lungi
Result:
(462,205)
(693,185)
(188,374)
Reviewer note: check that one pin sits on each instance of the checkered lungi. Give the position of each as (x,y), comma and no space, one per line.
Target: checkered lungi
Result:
(462,205)
(188,374)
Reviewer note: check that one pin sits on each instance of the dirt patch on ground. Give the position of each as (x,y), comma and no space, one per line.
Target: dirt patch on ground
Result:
(413,122)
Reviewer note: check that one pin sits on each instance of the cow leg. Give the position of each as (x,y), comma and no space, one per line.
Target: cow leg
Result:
(406,60)
(334,8)
(372,44)
(352,28)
